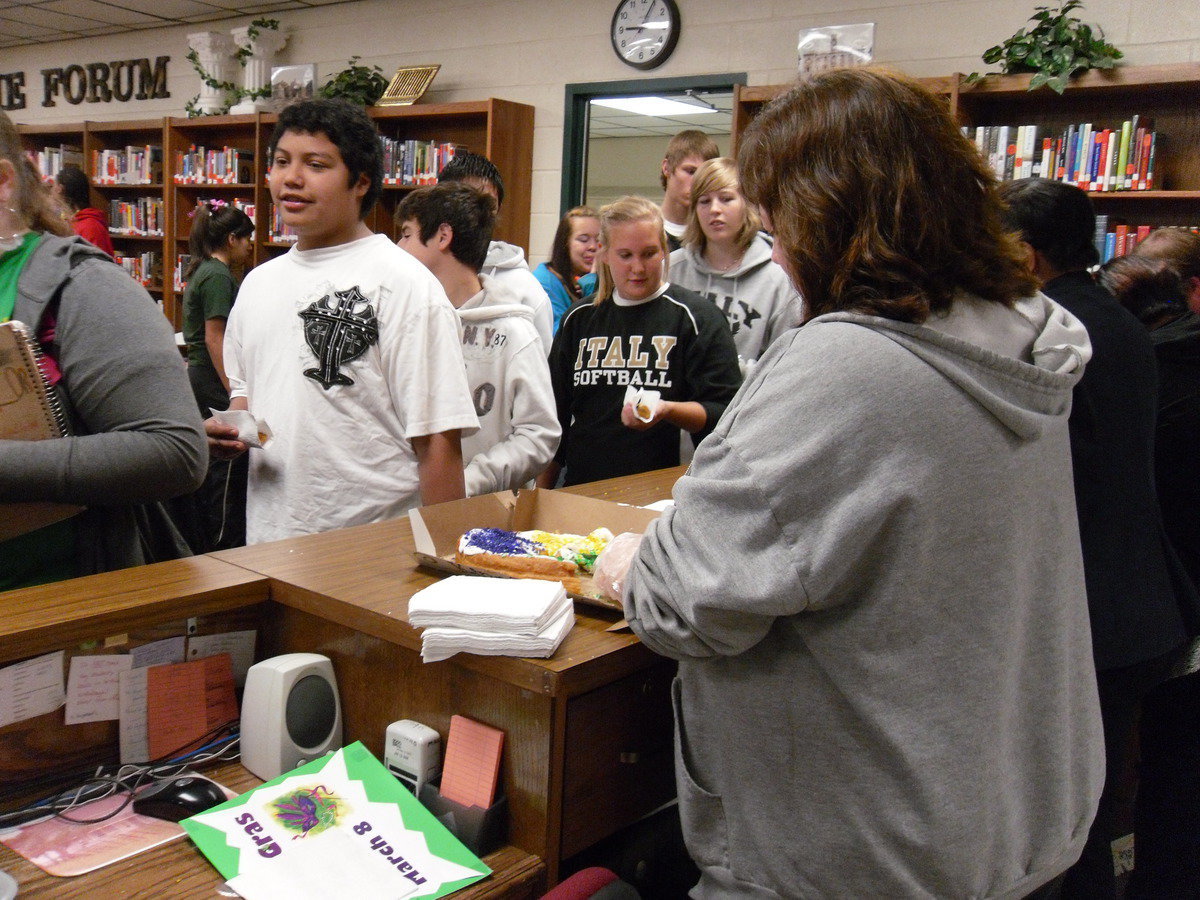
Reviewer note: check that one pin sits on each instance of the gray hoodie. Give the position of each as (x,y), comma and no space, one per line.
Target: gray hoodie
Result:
(756,296)
(510,384)
(873,583)
(506,264)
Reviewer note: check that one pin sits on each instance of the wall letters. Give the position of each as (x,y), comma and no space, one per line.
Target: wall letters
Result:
(97,82)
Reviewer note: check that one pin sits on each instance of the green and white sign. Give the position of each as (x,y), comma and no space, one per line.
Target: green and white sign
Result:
(337,826)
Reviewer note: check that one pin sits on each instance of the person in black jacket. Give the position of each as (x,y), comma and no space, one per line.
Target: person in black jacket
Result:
(1141,604)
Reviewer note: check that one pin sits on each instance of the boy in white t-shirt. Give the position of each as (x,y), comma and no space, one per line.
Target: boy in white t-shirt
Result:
(345,347)
(448,227)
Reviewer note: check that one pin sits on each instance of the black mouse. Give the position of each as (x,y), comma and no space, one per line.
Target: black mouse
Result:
(178,798)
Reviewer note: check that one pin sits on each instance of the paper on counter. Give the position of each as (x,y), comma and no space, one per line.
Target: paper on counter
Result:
(157,653)
(251,431)
(645,402)
(92,688)
(238,644)
(31,688)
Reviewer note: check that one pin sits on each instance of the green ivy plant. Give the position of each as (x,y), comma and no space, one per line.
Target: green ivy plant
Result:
(356,84)
(234,92)
(1054,48)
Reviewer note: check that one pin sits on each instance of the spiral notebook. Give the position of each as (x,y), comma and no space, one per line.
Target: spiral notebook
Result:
(29,411)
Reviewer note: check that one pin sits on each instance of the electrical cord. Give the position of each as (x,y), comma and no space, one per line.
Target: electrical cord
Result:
(220,744)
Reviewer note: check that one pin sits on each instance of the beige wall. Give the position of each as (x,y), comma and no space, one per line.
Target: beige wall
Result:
(526,50)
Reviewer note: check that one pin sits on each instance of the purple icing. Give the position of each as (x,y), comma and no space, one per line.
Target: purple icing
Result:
(497,540)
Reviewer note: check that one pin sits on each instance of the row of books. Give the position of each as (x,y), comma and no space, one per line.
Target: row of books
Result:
(144,268)
(1092,158)
(229,165)
(277,232)
(1116,238)
(414,162)
(144,217)
(132,165)
(50,160)
(246,206)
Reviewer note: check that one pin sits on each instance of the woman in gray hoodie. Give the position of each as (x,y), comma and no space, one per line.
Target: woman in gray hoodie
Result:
(726,257)
(871,576)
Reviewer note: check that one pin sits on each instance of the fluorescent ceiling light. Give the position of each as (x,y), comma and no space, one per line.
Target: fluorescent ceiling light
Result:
(653,106)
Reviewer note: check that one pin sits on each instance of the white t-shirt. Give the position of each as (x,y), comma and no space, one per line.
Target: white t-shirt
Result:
(347,353)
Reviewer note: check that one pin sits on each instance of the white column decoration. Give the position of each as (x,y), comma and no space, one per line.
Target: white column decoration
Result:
(214,51)
(257,74)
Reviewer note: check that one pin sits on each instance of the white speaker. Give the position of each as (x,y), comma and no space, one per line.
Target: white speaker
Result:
(290,713)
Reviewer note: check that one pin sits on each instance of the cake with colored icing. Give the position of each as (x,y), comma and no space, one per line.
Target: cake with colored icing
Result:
(532,554)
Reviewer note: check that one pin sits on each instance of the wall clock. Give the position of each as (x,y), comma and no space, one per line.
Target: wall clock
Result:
(644,32)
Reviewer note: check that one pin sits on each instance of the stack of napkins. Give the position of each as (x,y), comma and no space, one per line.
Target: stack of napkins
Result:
(491,616)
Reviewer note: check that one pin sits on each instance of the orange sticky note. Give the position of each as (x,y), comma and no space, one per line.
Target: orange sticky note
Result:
(185,701)
(472,767)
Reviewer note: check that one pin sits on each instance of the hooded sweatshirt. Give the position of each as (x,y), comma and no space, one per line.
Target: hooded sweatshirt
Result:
(510,384)
(756,296)
(92,225)
(506,264)
(872,580)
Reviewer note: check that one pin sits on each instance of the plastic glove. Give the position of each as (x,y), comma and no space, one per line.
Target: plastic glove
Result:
(612,564)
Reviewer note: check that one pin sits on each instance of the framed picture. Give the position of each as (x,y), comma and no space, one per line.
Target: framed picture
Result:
(292,83)
(407,85)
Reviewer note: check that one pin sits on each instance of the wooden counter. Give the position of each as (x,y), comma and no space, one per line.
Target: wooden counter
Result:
(179,869)
(588,733)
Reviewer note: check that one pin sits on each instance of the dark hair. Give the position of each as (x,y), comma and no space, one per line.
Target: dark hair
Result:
(1178,247)
(347,126)
(33,202)
(560,249)
(212,226)
(689,142)
(1149,288)
(1054,218)
(470,213)
(466,164)
(878,201)
(75,189)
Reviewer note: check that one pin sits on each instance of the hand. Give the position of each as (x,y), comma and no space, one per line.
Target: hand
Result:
(630,420)
(222,440)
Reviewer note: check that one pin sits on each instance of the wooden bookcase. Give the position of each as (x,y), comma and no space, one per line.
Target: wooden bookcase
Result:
(499,129)
(1169,94)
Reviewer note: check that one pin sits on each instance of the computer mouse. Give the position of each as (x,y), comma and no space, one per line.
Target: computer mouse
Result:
(176,799)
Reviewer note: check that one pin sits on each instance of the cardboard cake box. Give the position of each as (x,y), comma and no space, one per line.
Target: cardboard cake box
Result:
(437,529)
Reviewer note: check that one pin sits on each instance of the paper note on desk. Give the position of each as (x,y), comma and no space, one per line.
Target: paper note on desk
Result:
(92,688)
(166,708)
(157,653)
(238,644)
(472,766)
(364,835)
(31,688)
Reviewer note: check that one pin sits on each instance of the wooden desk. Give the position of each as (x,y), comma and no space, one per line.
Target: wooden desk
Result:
(588,733)
(180,870)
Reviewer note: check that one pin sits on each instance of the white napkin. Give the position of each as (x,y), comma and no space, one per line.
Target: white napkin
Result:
(512,606)
(645,402)
(442,643)
(251,431)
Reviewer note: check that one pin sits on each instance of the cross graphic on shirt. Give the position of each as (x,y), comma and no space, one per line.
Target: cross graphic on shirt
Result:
(338,330)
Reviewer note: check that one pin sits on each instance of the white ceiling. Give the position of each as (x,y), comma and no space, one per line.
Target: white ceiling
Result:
(604,122)
(25,22)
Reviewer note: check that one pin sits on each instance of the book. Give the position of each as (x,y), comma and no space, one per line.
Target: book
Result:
(29,411)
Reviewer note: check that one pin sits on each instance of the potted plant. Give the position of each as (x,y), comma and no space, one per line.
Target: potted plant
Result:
(356,84)
(1057,46)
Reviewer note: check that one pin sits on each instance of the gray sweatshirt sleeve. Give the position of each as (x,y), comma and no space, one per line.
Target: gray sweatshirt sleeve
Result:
(141,436)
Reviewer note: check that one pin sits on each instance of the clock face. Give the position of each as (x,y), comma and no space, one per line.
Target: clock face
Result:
(644,32)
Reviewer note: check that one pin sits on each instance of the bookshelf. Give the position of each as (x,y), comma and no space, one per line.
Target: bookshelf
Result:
(1168,94)
(499,129)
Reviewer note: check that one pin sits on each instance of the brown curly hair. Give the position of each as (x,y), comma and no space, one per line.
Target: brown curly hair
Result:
(879,202)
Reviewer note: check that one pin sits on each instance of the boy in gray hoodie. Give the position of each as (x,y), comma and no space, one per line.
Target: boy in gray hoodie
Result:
(447,227)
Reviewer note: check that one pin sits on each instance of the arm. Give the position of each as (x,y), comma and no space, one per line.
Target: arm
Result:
(214,340)
(560,384)
(221,437)
(439,466)
(533,424)
(711,369)
(141,438)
